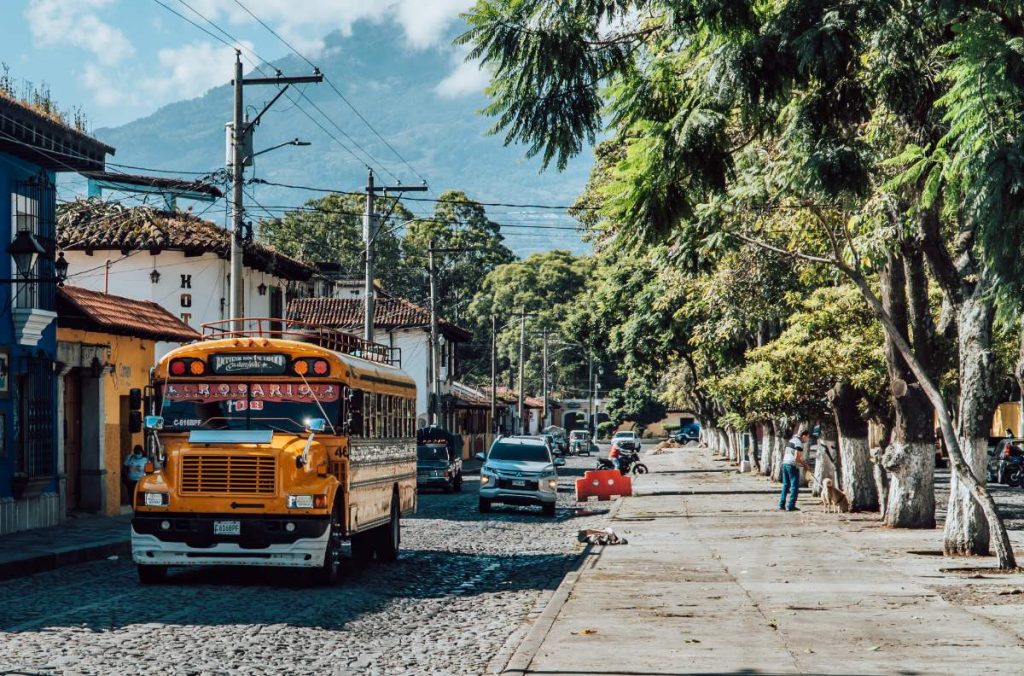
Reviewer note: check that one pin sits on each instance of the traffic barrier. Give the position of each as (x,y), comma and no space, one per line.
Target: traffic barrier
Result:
(603,484)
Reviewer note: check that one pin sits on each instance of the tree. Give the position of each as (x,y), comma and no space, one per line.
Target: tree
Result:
(543,285)
(702,92)
(330,230)
(471,244)
(637,403)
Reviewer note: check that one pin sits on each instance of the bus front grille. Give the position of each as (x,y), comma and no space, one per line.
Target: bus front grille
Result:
(228,474)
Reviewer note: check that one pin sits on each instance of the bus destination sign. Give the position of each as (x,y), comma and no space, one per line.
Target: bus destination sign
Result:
(257,364)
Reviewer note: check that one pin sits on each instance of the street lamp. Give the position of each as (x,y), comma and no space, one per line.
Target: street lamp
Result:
(293,142)
(25,249)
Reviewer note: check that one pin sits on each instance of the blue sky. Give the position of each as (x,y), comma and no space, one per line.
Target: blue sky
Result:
(122,59)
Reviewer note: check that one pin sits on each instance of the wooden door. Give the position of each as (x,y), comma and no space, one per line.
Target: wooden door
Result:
(73,438)
(125,443)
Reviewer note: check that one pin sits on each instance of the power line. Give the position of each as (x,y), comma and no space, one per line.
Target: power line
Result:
(336,91)
(425,199)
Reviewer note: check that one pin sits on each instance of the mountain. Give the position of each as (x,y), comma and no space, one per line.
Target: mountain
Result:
(394,88)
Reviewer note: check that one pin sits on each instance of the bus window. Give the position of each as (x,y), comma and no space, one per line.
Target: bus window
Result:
(355,413)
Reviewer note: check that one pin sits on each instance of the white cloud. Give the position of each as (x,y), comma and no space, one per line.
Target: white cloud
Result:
(105,90)
(468,77)
(73,22)
(189,71)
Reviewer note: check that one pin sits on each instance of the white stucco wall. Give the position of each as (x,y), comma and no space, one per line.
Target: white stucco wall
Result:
(130,277)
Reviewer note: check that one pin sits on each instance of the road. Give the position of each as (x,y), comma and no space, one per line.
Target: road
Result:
(453,603)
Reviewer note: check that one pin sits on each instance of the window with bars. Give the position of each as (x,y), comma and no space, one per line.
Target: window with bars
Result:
(33,204)
(37,390)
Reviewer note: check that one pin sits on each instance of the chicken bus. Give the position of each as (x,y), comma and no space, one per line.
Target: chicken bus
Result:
(271,445)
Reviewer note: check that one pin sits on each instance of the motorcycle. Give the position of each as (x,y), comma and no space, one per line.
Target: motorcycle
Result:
(629,461)
(1011,466)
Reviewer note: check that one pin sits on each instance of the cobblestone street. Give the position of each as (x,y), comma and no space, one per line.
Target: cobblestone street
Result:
(453,603)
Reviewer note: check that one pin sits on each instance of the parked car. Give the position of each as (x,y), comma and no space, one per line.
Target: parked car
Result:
(437,467)
(579,442)
(519,471)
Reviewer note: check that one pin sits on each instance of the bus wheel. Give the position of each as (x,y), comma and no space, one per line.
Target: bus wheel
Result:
(329,573)
(389,537)
(152,574)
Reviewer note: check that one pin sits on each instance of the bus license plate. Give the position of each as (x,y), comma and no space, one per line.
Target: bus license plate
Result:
(227,527)
(518,483)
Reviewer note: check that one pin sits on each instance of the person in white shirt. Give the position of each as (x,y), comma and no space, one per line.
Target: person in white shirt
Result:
(134,470)
(792,461)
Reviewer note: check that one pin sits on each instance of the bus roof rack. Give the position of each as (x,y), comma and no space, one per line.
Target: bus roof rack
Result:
(305,332)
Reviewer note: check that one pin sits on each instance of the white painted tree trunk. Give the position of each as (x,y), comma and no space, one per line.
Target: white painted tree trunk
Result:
(911,490)
(777,450)
(824,468)
(858,477)
(966,531)
(766,450)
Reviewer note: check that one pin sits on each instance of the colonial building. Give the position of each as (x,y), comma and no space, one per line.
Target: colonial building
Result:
(175,259)
(401,324)
(34,147)
(105,347)
(472,418)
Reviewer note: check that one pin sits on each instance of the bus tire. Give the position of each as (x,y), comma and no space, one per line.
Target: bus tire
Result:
(389,537)
(329,572)
(152,574)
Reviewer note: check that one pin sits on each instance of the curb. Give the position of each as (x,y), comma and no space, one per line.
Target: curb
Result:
(521,659)
(53,560)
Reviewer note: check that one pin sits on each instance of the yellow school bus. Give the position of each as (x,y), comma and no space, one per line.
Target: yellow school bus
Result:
(271,445)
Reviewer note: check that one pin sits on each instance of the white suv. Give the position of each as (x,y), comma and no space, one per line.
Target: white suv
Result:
(519,471)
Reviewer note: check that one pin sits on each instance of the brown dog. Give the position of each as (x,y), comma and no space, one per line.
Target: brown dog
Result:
(833,499)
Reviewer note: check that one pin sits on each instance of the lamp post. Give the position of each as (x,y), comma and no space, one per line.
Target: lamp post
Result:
(26,249)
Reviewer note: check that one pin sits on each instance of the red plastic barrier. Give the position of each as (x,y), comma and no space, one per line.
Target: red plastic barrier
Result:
(603,484)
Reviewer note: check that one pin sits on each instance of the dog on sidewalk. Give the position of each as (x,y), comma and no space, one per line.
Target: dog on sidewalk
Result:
(833,499)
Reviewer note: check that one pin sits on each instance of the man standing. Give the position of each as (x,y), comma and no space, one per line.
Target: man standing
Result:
(792,461)
(134,470)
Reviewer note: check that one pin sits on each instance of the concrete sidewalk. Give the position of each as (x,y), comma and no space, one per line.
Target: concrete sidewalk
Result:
(715,580)
(78,540)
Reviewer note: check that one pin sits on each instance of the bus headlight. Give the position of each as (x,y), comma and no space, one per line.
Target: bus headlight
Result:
(307,501)
(155,499)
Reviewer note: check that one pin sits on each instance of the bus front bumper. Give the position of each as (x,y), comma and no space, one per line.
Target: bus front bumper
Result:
(190,541)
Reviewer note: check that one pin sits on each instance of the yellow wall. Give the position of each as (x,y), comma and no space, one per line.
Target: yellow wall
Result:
(132,358)
(1007,415)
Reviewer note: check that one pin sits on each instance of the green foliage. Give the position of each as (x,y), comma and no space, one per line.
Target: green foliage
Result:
(635,403)
(604,429)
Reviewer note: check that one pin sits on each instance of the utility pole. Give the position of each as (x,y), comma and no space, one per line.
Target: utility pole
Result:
(434,393)
(522,353)
(544,379)
(236,297)
(590,393)
(494,374)
(240,140)
(370,233)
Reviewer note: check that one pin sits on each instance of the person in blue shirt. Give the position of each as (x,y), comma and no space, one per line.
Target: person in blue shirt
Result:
(134,470)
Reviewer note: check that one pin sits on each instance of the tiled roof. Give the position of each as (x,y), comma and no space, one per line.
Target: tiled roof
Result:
(512,396)
(94,311)
(93,224)
(389,313)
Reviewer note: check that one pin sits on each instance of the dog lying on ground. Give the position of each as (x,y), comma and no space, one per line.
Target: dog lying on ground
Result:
(833,499)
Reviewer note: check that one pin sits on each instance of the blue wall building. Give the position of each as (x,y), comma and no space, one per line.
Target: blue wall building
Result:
(33,148)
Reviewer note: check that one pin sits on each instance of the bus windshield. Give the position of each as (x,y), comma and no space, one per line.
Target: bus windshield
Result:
(279,406)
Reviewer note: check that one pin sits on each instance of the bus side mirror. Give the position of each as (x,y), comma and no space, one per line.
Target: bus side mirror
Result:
(316,425)
(135,399)
(135,421)
(154,422)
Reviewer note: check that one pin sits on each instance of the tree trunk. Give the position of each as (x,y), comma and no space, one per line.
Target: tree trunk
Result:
(858,479)
(777,451)
(966,531)
(910,459)
(767,448)
(754,452)
(878,440)
(824,467)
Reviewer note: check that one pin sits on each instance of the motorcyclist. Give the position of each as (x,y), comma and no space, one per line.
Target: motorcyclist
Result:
(614,455)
